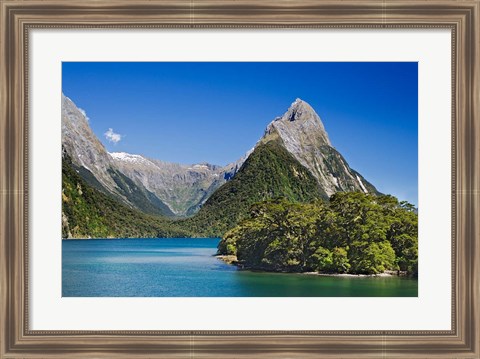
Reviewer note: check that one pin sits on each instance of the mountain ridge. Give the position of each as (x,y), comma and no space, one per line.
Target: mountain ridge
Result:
(184,188)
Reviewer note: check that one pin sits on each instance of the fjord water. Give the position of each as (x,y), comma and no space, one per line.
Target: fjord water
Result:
(186,267)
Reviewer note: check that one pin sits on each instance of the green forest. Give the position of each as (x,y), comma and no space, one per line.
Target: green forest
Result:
(352,233)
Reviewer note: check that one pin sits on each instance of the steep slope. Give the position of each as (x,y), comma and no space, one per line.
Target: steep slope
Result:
(269,172)
(89,213)
(92,161)
(83,147)
(303,135)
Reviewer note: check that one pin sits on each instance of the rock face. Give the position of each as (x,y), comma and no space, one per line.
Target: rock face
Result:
(302,133)
(83,147)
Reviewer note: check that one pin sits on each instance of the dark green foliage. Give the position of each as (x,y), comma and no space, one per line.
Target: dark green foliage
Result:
(285,231)
(403,235)
(269,172)
(87,213)
(353,233)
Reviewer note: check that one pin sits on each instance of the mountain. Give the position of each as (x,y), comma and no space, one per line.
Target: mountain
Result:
(184,188)
(301,131)
(149,185)
(293,160)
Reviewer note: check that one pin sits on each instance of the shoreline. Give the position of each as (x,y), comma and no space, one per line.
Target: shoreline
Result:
(228,259)
(232,260)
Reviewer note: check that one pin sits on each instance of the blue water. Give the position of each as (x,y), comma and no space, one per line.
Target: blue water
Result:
(185,267)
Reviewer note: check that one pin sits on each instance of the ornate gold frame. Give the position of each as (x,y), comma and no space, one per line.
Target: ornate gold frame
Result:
(19,16)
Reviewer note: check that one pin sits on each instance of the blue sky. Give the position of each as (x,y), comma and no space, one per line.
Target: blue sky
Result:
(215,112)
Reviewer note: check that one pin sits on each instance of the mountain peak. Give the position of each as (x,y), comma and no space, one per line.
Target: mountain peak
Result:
(299,103)
(300,110)
(300,130)
(299,123)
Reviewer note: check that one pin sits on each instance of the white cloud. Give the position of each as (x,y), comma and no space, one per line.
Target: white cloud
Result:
(112,136)
(84,114)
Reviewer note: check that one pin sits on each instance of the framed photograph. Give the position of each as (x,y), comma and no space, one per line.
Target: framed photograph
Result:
(225,179)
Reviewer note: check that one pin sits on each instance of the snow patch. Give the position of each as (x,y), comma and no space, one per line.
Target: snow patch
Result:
(361,184)
(334,180)
(346,170)
(127,157)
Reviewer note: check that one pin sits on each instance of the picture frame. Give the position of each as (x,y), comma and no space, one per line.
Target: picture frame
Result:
(18,17)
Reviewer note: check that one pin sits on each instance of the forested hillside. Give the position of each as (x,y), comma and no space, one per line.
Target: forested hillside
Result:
(89,213)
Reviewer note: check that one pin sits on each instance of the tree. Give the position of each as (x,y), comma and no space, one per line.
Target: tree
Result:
(353,233)
(371,257)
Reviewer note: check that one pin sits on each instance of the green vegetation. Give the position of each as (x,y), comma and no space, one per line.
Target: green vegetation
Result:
(87,213)
(353,233)
(269,172)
